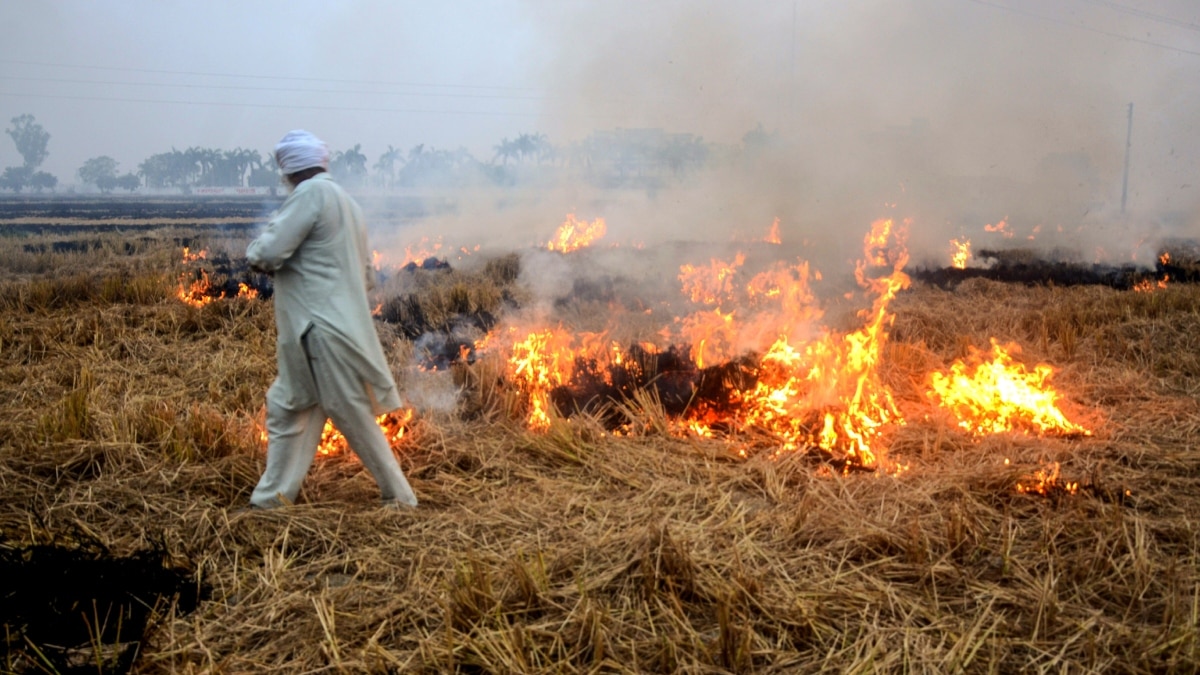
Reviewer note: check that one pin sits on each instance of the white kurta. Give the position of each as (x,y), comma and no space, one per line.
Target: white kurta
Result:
(330,360)
(317,246)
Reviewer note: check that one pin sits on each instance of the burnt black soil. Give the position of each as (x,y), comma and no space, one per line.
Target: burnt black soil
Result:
(1178,263)
(81,609)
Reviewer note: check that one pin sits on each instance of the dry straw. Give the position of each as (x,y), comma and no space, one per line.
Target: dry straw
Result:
(133,419)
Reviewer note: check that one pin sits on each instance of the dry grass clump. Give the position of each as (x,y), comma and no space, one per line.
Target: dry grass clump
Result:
(133,419)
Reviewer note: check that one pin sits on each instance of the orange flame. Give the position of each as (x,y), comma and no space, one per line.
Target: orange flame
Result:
(189,257)
(997,395)
(773,233)
(421,251)
(574,234)
(539,363)
(960,253)
(1046,480)
(1000,227)
(836,376)
(393,425)
(1150,285)
(194,294)
(198,291)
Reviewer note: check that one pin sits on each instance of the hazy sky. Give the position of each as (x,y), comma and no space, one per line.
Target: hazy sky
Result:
(1000,83)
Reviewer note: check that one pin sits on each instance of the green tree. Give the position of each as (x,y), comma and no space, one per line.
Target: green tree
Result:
(15,178)
(99,171)
(129,182)
(385,167)
(31,140)
(350,165)
(42,181)
(264,172)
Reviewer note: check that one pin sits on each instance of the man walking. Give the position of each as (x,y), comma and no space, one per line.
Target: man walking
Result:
(331,364)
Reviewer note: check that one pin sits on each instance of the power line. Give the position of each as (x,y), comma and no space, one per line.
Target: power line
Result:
(495,113)
(263,77)
(1081,26)
(1134,11)
(271,89)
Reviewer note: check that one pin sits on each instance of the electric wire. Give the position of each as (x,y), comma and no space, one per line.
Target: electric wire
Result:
(1141,13)
(176,85)
(263,77)
(1072,24)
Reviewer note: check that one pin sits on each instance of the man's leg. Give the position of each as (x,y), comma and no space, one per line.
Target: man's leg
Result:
(344,399)
(292,438)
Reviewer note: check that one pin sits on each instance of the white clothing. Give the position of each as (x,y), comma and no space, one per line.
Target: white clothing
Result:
(316,244)
(299,150)
(294,434)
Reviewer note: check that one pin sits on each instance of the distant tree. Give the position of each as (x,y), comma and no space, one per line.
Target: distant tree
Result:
(505,151)
(31,140)
(265,173)
(15,178)
(385,166)
(171,169)
(41,180)
(350,165)
(129,182)
(99,171)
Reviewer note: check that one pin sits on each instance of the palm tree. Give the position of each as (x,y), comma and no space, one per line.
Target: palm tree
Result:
(505,150)
(385,167)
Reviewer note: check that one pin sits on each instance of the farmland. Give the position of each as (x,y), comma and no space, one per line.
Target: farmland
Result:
(619,540)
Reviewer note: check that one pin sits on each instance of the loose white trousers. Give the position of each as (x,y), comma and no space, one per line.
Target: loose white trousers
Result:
(293,435)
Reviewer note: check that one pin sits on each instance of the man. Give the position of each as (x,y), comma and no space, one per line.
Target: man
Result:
(330,361)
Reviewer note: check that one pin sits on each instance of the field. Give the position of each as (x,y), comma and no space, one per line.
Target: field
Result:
(133,429)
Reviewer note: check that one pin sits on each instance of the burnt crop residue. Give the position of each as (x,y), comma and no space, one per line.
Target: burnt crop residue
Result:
(81,609)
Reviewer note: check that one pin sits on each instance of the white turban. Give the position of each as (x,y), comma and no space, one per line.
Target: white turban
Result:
(300,150)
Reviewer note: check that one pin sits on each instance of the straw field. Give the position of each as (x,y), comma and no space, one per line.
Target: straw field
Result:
(132,424)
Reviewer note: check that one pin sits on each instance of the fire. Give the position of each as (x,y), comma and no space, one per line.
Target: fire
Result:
(773,233)
(790,378)
(189,257)
(1000,227)
(960,253)
(393,425)
(195,293)
(808,390)
(1164,259)
(1150,285)
(835,378)
(1047,480)
(710,284)
(198,291)
(576,234)
(421,251)
(991,394)
(537,364)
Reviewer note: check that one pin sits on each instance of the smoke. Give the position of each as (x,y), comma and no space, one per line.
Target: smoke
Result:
(958,113)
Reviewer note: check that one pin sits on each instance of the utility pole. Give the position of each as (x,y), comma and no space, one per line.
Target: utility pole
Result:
(1128,142)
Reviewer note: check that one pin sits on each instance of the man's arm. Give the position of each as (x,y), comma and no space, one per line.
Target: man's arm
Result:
(287,230)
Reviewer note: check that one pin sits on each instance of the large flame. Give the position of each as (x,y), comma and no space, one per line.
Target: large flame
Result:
(575,234)
(827,392)
(803,384)
(991,394)
(960,253)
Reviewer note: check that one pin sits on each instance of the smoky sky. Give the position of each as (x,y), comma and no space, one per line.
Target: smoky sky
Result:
(866,101)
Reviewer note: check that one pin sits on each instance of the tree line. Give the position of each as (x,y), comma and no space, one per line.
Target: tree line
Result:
(617,158)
